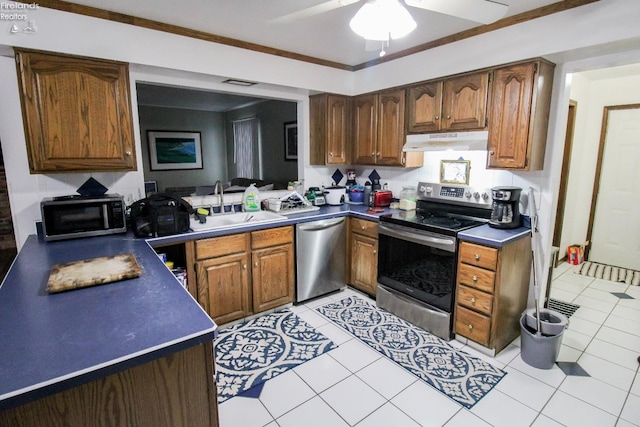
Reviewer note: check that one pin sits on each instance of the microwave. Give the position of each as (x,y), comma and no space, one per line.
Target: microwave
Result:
(70,217)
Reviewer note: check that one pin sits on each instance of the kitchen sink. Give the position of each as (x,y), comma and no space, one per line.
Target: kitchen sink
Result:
(228,220)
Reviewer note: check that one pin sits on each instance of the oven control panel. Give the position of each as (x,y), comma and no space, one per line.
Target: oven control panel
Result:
(461,194)
(457,192)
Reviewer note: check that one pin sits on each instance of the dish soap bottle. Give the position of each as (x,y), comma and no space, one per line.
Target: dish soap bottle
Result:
(251,199)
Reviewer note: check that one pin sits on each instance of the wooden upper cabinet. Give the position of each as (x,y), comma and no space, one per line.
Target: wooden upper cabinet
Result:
(424,103)
(330,117)
(464,102)
(365,128)
(457,103)
(379,130)
(391,134)
(519,116)
(76,112)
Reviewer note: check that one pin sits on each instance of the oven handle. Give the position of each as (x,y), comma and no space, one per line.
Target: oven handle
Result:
(417,237)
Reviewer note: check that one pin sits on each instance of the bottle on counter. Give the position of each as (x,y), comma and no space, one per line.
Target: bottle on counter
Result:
(251,199)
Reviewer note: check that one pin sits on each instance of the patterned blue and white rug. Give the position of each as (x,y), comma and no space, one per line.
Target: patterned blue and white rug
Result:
(252,352)
(463,378)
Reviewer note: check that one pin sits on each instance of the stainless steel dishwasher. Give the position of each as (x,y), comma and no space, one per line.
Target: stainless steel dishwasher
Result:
(320,257)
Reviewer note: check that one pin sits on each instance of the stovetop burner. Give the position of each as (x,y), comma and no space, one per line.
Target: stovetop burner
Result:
(444,209)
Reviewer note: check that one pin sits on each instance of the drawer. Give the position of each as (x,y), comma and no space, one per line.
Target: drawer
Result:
(362,226)
(476,277)
(472,325)
(474,299)
(271,237)
(480,256)
(220,246)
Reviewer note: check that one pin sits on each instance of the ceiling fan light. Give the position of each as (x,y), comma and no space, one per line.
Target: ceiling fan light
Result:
(379,19)
(369,22)
(400,22)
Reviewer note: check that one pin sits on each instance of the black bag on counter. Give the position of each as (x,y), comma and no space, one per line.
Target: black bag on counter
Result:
(160,214)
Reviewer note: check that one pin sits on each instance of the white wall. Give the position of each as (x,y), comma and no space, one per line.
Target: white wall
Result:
(592,97)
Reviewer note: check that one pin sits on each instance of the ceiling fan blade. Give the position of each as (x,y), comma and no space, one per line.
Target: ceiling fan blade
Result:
(483,11)
(311,11)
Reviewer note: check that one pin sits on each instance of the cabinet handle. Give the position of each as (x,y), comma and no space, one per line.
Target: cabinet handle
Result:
(474,278)
(373,154)
(470,327)
(128,153)
(436,118)
(472,301)
(375,251)
(244,266)
(256,263)
(477,257)
(491,153)
(378,154)
(363,227)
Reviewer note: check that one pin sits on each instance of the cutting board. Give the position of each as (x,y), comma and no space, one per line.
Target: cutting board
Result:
(91,272)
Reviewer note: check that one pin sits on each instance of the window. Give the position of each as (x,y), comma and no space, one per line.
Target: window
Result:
(245,143)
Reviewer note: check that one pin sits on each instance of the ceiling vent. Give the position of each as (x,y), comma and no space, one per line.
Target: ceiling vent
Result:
(239,82)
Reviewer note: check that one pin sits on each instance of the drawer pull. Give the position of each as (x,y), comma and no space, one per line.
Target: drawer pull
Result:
(473,301)
(256,263)
(363,227)
(375,251)
(477,257)
(470,327)
(244,266)
(474,278)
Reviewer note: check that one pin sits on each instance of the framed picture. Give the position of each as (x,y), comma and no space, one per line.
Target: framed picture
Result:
(291,141)
(455,172)
(174,150)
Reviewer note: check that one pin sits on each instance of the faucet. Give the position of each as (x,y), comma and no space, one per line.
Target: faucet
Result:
(218,185)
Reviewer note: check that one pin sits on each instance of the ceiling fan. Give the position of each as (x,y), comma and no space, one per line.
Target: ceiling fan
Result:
(482,11)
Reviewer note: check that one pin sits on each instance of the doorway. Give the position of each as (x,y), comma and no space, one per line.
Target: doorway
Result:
(564,179)
(614,224)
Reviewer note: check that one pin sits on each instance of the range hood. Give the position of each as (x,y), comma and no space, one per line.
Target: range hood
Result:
(475,140)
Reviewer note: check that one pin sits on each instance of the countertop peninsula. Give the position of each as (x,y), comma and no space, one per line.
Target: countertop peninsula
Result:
(54,342)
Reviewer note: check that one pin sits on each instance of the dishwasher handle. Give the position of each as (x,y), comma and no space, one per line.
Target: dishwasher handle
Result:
(320,225)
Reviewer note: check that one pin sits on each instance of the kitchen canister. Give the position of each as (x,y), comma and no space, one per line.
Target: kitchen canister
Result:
(408,198)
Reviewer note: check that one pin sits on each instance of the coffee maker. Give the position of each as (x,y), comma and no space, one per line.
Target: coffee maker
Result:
(505,212)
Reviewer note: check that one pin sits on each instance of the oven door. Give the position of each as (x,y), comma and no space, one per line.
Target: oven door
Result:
(418,263)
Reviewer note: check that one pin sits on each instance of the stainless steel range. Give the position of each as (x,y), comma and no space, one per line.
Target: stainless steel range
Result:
(418,254)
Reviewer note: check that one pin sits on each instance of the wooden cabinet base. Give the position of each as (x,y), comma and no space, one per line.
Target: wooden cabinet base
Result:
(174,391)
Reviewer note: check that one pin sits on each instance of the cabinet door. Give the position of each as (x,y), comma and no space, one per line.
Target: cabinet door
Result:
(424,103)
(338,129)
(510,116)
(223,287)
(364,263)
(272,277)
(365,122)
(391,134)
(77,113)
(464,102)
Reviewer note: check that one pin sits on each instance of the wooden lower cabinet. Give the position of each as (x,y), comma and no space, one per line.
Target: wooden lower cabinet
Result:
(363,250)
(272,277)
(492,290)
(228,289)
(177,390)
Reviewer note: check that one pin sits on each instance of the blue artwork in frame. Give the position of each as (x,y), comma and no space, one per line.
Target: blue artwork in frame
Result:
(174,150)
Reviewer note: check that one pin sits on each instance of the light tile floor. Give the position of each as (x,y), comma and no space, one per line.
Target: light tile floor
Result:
(354,385)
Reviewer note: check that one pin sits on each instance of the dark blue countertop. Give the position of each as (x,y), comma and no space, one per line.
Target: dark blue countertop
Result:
(325,212)
(495,237)
(49,343)
(52,342)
